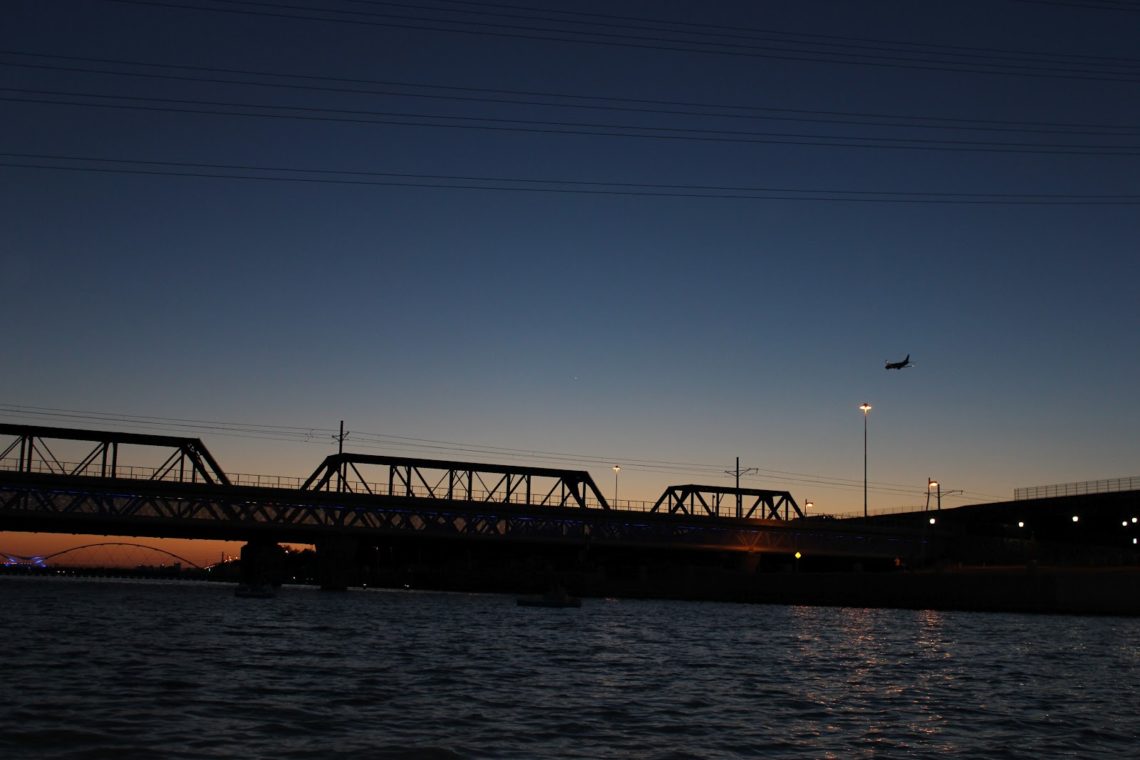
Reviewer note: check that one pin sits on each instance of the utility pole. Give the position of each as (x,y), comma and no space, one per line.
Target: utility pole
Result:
(340,468)
(738,472)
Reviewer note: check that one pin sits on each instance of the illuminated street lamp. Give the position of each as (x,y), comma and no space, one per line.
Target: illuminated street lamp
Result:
(865,408)
(617,469)
(930,486)
(808,506)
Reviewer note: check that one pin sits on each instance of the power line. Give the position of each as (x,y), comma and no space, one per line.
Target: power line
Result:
(573,100)
(1105,5)
(379,441)
(819,38)
(389,119)
(529,185)
(576,101)
(900,60)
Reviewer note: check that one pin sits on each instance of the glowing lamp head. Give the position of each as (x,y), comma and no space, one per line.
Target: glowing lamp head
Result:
(798,555)
(1076,518)
(864,408)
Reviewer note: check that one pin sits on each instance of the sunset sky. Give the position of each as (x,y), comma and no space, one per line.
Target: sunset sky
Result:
(655,234)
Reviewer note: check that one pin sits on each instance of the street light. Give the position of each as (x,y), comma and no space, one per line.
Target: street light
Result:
(865,408)
(930,486)
(617,469)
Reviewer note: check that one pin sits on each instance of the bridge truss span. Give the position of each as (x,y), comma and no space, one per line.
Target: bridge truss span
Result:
(456,481)
(743,503)
(145,508)
(33,449)
(401,500)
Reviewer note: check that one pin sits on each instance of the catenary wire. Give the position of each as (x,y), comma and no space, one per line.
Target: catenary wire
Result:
(375,441)
(387,119)
(656,44)
(575,100)
(626,189)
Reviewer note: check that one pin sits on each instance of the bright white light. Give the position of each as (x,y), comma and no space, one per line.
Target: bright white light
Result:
(1076,518)
(1020,524)
(1133,519)
(932,521)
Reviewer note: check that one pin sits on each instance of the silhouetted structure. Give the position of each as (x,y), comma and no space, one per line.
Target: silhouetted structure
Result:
(444,524)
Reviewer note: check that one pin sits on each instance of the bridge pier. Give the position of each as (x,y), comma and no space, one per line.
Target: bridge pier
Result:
(262,563)
(337,562)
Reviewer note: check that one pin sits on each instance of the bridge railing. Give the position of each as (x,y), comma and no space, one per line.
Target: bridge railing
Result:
(1077,489)
(126,471)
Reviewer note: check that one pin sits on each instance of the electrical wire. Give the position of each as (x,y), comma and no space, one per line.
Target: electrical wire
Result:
(515,31)
(387,442)
(389,119)
(246,172)
(575,101)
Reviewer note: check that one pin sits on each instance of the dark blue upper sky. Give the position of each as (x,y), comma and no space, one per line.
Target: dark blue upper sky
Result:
(635,233)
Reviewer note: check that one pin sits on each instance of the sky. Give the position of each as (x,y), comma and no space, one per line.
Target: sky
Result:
(661,235)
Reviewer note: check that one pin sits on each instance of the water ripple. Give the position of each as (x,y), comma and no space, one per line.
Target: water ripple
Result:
(98,669)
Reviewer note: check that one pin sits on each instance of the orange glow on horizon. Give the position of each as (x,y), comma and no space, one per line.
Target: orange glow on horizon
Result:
(201,552)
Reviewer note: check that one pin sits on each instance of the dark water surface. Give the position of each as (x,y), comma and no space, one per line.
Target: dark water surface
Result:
(120,669)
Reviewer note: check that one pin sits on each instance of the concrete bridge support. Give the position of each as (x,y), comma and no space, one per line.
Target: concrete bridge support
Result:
(262,563)
(337,564)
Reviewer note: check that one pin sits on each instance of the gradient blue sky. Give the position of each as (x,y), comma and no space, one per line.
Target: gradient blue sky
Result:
(610,328)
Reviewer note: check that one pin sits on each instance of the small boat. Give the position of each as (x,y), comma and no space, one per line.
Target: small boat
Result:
(555,598)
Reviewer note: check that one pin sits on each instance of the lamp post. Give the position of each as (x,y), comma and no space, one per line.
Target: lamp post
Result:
(865,408)
(617,469)
(932,485)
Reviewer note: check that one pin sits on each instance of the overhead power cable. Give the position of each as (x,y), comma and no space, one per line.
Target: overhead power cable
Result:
(389,442)
(255,173)
(548,100)
(1104,5)
(898,57)
(695,27)
(420,120)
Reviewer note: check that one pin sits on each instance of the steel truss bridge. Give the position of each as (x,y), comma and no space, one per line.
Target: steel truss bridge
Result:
(356,496)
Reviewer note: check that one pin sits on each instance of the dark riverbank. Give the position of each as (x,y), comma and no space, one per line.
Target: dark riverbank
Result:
(1051,590)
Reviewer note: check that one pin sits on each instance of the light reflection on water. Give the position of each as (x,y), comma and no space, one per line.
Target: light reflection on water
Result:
(132,669)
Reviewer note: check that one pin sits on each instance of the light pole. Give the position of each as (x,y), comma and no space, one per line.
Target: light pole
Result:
(865,408)
(931,485)
(617,469)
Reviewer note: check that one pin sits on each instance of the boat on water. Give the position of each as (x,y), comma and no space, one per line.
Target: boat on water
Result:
(555,598)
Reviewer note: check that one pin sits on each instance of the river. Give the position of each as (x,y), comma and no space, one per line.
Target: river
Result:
(153,669)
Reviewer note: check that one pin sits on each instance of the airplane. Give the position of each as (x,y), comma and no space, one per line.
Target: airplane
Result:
(900,365)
